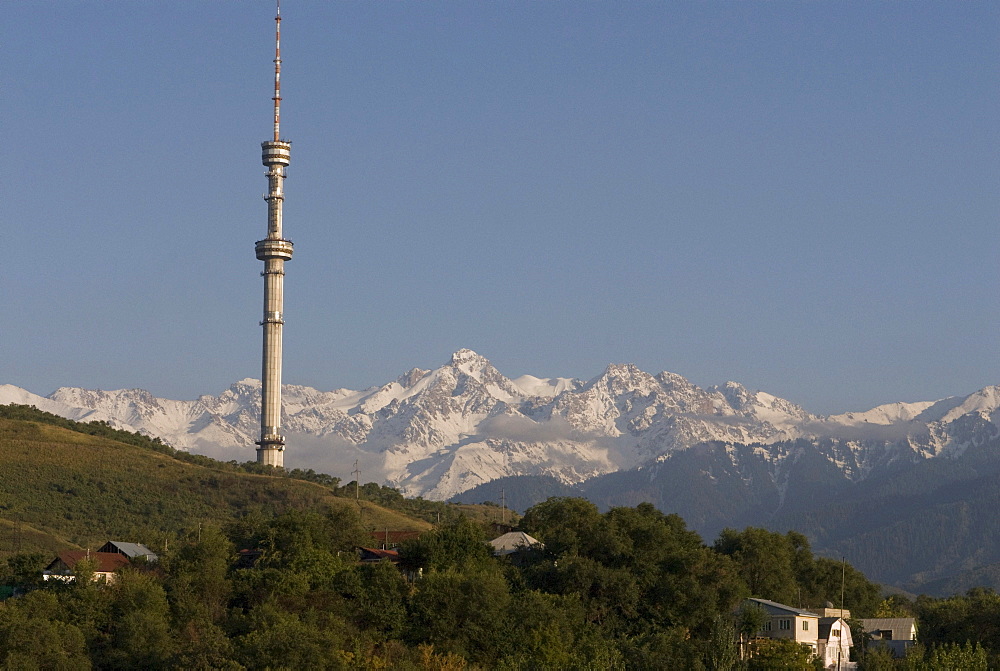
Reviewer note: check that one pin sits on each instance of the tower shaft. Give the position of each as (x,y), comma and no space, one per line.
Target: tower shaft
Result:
(273,250)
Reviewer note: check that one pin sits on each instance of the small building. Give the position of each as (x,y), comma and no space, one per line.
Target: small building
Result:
(896,633)
(64,566)
(830,611)
(786,622)
(825,632)
(373,555)
(130,550)
(513,541)
(835,643)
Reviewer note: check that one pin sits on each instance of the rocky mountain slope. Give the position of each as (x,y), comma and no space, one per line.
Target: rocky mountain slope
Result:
(436,433)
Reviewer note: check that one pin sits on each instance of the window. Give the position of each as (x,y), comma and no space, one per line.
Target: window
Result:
(767,626)
(784,624)
(835,632)
(805,625)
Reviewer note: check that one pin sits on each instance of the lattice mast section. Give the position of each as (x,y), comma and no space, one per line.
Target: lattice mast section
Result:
(273,250)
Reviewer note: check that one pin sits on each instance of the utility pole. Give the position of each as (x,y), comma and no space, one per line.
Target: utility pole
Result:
(357,481)
(843,577)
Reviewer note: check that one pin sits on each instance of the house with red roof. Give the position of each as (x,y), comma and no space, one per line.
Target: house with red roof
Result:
(105,565)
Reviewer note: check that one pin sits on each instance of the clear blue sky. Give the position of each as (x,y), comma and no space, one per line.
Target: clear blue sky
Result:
(799,196)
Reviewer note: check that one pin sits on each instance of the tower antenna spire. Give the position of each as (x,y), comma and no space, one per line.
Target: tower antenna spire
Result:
(277,72)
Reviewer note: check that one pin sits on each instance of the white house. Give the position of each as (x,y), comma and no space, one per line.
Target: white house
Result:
(105,565)
(513,541)
(796,624)
(835,643)
(828,637)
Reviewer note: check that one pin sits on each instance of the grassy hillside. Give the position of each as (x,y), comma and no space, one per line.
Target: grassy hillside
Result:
(17,537)
(61,488)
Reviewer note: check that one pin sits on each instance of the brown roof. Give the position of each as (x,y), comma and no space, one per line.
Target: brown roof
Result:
(107,562)
(374,554)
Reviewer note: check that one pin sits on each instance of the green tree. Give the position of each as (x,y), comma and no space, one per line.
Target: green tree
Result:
(544,630)
(466,612)
(33,635)
(375,597)
(750,621)
(974,616)
(25,569)
(664,649)
(782,568)
(275,639)
(722,653)
(568,526)
(456,544)
(877,658)
(766,561)
(780,655)
(199,589)
(139,634)
(198,581)
(301,553)
(636,569)
(966,656)
(681,582)
(895,605)
(831,578)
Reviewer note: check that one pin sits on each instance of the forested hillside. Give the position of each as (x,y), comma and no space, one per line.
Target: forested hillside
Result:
(631,588)
(926,525)
(628,589)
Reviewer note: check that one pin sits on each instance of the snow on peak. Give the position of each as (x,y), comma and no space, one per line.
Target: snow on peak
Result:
(618,377)
(437,432)
(738,396)
(985,402)
(622,370)
(470,363)
(890,413)
(466,355)
(547,387)
(411,377)
(479,368)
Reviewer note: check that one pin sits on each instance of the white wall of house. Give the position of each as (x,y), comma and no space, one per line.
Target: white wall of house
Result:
(838,647)
(798,628)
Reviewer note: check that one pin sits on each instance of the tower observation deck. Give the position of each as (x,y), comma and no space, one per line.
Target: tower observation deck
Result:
(273,250)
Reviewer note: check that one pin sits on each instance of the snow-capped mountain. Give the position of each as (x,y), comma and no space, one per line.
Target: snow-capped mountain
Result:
(439,432)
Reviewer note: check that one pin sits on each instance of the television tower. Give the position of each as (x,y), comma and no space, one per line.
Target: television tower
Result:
(273,250)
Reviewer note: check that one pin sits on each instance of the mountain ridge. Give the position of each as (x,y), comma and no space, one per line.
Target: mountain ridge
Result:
(903,489)
(438,432)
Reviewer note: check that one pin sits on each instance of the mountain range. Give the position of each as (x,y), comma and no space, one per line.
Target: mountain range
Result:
(719,456)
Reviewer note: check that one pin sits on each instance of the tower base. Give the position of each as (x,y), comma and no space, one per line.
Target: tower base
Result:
(271,455)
